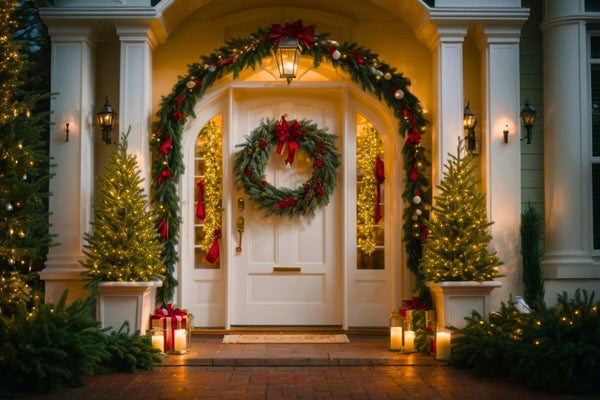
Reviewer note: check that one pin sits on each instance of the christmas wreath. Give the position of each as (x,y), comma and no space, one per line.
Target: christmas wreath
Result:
(305,135)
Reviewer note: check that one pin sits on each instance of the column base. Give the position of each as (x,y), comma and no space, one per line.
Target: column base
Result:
(58,279)
(567,272)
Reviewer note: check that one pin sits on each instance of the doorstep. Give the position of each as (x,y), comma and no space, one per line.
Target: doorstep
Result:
(361,351)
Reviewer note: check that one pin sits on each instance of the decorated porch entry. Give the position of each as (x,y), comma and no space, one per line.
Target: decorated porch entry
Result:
(363,67)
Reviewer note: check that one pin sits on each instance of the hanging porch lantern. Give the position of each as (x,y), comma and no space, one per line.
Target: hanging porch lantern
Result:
(469,123)
(105,119)
(528,114)
(287,55)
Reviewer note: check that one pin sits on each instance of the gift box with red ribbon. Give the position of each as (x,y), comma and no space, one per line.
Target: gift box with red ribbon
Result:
(169,319)
(412,306)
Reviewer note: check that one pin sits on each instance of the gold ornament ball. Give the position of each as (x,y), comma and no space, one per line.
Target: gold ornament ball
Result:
(399,94)
(417,199)
(387,76)
(190,84)
(418,212)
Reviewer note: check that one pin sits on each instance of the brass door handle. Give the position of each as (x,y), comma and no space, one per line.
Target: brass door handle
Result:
(239,226)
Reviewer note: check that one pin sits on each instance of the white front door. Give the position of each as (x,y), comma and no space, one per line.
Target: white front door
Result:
(310,291)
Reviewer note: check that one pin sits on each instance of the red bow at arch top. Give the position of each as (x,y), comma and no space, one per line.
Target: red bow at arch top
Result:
(294,30)
(288,133)
(412,304)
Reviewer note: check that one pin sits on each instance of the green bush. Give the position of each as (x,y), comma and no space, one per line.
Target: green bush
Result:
(531,231)
(46,347)
(556,349)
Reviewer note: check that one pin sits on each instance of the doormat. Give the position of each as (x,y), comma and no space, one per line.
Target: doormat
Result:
(284,339)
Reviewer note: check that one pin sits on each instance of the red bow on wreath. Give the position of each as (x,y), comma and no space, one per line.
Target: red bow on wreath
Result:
(288,133)
(412,304)
(294,30)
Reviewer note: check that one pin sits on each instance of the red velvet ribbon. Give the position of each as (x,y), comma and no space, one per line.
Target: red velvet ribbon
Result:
(180,99)
(163,228)
(200,211)
(177,115)
(165,147)
(414,137)
(225,61)
(288,133)
(164,174)
(294,30)
(412,304)
(380,175)
(213,254)
(414,174)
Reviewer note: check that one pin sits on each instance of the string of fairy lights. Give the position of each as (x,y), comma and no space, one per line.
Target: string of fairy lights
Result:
(210,150)
(369,148)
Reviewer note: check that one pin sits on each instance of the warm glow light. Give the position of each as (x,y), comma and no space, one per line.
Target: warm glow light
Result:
(287,55)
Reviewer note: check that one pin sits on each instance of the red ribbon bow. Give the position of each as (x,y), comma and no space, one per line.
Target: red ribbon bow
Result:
(411,304)
(180,99)
(200,211)
(163,228)
(165,174)
(414,137)
(213,254)
(170,311)
(294,30)
(177,115)
(165,147)
(288,133)
(380,175)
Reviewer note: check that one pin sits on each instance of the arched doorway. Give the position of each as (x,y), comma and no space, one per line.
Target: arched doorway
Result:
(329,282)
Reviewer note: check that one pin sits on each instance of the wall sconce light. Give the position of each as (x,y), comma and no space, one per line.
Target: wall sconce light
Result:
(287,56)
(505,132)
(528,115)
(469,123)
(105,119)
(67,133)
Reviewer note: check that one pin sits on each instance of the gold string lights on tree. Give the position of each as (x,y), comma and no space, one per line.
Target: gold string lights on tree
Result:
(369,149)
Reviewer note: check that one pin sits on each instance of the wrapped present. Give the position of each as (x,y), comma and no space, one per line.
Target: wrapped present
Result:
(415,312)
(170,319)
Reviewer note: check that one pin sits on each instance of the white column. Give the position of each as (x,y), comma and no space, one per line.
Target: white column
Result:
(135,98)
(567,262)
(447,51)
(72,77)
(501,162)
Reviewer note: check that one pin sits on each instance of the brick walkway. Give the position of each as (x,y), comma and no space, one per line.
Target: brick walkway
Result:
(381,382)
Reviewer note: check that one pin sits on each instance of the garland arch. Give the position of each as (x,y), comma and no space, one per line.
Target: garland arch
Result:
(363,66)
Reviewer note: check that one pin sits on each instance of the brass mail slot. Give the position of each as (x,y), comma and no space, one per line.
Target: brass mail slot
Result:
(287,269)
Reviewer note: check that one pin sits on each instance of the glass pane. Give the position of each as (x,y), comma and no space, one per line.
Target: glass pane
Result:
(368,149)
(592,5)
(596,203)
(595,46)
(373,261)
(596,110)
(211,131)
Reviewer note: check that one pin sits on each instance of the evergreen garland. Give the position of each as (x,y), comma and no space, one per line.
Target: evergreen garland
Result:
(251,160)
(363,67)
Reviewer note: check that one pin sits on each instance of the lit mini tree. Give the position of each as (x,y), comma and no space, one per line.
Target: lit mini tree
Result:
(124,245)
(457,247)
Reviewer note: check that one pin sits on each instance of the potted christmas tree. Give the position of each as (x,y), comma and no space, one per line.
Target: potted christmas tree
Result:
(457,263)
(123,252)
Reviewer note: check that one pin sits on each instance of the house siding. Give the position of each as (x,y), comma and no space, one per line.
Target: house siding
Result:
(532,155)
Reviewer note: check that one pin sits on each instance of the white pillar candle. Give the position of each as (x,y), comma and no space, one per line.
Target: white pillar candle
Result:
(395,338)
(409,341)
(443,346)
(180,340)
(158,342)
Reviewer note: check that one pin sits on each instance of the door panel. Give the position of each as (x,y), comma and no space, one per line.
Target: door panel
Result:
(311,296)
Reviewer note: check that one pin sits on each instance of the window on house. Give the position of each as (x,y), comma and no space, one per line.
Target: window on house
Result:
(592,5)
(207,164)
(595,156)
(370,231)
